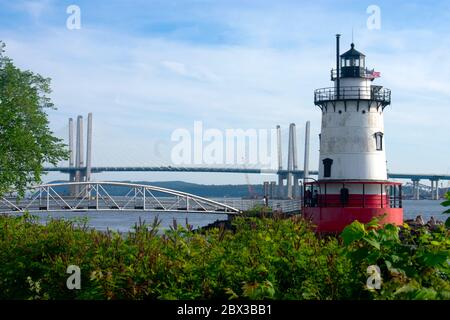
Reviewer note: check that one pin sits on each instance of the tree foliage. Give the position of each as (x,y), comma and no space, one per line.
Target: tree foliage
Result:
(26,142)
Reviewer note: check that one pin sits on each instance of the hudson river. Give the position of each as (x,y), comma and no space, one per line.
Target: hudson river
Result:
(124,221)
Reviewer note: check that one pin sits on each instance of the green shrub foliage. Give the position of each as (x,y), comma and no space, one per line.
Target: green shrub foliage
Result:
(262,258)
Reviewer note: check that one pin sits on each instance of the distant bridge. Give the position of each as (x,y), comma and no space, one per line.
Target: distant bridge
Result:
(283,174)
(95,196)
(408,176)
(80,171)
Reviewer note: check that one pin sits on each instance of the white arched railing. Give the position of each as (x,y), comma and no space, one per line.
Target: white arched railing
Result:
(81,196)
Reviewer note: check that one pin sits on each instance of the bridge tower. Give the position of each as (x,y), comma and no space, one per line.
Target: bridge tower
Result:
(280,192)
(71,156)
(352,183)
(292,188)
(79,171)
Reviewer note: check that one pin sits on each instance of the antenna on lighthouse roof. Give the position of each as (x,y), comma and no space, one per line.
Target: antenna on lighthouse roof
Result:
(352,36)
(337,66)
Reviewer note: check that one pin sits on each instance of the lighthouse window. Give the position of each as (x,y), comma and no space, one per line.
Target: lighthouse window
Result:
(379,140)
(327,167)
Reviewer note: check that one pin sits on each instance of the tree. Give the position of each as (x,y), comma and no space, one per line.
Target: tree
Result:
(26,142)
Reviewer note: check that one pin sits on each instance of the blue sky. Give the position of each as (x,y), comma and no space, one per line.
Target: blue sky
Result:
(146,68)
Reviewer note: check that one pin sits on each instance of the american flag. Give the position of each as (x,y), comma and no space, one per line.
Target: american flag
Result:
(375,74)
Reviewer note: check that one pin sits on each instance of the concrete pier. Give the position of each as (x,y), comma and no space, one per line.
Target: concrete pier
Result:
(416,189)
(437,190)
(272,189)
(434,189)
(266,190)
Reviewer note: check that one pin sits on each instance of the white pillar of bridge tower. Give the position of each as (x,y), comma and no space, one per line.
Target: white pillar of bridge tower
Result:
(89,148)
(434,189)
(292,179)
(280,192)
(437,189)
(71,143)
(297,177)
(417,194)
(306,158)
(71,155)
(79,163)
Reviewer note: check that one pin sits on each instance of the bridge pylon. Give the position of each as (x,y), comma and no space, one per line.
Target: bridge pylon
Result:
(83,171)
(292,188)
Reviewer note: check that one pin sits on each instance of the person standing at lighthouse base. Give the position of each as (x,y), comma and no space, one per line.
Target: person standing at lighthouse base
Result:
(344,196)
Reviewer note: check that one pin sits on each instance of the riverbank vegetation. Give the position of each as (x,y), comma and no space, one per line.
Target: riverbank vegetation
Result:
(260,258)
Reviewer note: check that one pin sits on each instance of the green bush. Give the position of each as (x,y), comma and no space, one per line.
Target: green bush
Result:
(414,264)
(258,211)
(446,203)
(263,258)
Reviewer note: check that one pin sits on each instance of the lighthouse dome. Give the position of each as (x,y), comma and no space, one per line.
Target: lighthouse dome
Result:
(353,63)
(352,53)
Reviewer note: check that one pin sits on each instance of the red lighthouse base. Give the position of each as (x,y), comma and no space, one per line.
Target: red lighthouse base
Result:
(329,213)
(336,219)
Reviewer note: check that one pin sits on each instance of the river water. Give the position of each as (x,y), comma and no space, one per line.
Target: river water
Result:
(124,221)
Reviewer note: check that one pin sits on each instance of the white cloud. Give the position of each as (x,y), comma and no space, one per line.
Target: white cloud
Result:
(140,88)
(176,67)
(33,8)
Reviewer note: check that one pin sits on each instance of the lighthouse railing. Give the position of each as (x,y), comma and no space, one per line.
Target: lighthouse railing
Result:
(374,93)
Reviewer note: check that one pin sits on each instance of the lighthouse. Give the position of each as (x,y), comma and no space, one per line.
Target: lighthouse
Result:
(352,183)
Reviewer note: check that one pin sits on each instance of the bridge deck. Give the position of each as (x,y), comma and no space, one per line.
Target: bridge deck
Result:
(412,176)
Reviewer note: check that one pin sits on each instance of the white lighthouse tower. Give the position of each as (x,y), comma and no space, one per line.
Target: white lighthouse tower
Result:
(352,182)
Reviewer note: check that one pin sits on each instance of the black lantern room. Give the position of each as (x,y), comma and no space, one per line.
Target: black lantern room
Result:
(353,63)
